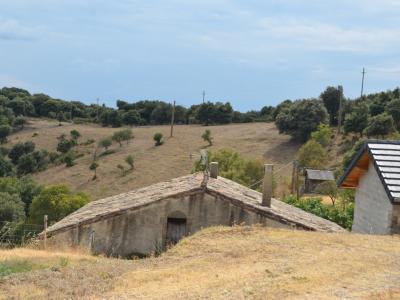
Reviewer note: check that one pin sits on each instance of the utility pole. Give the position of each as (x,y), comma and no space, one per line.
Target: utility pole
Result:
(362,82)
(340,88)
(204,95)
(45,219)
(294,170)
(97,109)
(172,119)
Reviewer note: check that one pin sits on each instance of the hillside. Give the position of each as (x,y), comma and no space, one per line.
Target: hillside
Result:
(152,164)
(220,263)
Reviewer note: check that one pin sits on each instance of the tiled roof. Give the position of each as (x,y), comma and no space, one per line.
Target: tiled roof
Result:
(239,195)
(320,174)
(386,158)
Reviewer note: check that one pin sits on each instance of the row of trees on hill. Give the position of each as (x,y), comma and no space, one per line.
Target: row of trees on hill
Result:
(16,103)
(374,115)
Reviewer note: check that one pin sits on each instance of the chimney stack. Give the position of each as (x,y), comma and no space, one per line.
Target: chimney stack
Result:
(267,185)
(214,169)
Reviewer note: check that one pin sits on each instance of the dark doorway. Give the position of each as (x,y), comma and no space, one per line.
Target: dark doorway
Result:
(176,230)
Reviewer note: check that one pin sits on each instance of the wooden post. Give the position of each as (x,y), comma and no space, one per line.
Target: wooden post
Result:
(267,185)
(293,188)
(297,183)
(214,169)
(172,120)
(45,232)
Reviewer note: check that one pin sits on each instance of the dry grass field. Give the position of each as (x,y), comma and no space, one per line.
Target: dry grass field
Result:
(222,263)
(152,164)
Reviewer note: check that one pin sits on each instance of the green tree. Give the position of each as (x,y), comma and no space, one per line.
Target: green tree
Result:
(357,120)
(131,117)
(20,149)
(301,118)
(331,98)
(312,155)
(93,167)
(130,161)
(393,108)
(69,159)
(206,136)
(5,131)
(122,135)
(328,188)
(75,135)
(6,167)
(11,208)
(56,201)
(105,143)
(19,123)
(380,126)
(158,138)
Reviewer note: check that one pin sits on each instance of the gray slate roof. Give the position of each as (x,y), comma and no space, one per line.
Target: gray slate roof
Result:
(386,159)
(239,195)
(320,174)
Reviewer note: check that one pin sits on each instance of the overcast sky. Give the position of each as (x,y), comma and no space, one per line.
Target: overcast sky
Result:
(251,53)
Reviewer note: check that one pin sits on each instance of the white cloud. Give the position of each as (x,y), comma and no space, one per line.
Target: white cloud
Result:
(14,30)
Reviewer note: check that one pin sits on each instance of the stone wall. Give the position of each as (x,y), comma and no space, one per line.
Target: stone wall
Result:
(143,231)
(396,219)
(373,209)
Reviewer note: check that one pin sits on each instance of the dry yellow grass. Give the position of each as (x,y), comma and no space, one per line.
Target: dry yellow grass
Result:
(233,263)
(152,164)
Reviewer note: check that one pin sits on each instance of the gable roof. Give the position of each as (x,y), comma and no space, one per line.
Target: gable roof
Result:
(238,195)
(319,174)
(385,156)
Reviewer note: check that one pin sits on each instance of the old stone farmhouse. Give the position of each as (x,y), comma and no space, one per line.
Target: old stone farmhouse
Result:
(375,174)
(146,220)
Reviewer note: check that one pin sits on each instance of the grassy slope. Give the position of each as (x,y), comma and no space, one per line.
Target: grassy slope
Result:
(153,164)
(226,263)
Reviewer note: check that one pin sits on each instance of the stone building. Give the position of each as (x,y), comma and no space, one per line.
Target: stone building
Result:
(144,221)
(315,177)
(375,174)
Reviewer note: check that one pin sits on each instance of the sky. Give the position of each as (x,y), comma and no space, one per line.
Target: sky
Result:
(250,53)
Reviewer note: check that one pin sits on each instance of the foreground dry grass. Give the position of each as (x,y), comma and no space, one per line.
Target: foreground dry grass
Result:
(152,164)
(231,263)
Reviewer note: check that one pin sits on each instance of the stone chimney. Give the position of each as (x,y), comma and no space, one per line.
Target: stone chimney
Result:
(267,185)
(214,169)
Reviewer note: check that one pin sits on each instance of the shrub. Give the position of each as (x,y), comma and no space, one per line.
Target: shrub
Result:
(56,201)
(11,208)
(323,135)
(93,167)
(122,168)
(343,216)
(312,155)
(69,158)
(5,130)
(130,161)
(20,149)
(158,138)
(6,167)
(75,135)
(122,135)
(357,120)
(380,126)
(105,143)
(64,145)
(19,123)
(232,166)
(206,136)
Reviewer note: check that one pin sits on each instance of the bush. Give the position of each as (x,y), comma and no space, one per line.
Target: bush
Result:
(19,123)
(20,149)
(232,166)
(75,135)
(357,120)
(130,161)
(64,145)
(206,136)
(6,167)
(312,155)
(69,158)
(380,126)
(323,135)
(5,130)
(93,167)
(342,216)
(11,208)
(105,143)
(122,135)
(56,201)
(158,138)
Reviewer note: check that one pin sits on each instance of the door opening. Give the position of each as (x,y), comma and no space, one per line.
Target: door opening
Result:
(176,230)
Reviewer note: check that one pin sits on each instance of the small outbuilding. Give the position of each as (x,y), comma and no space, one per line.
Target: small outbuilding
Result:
(315,177)
(374,173)
(146,220)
